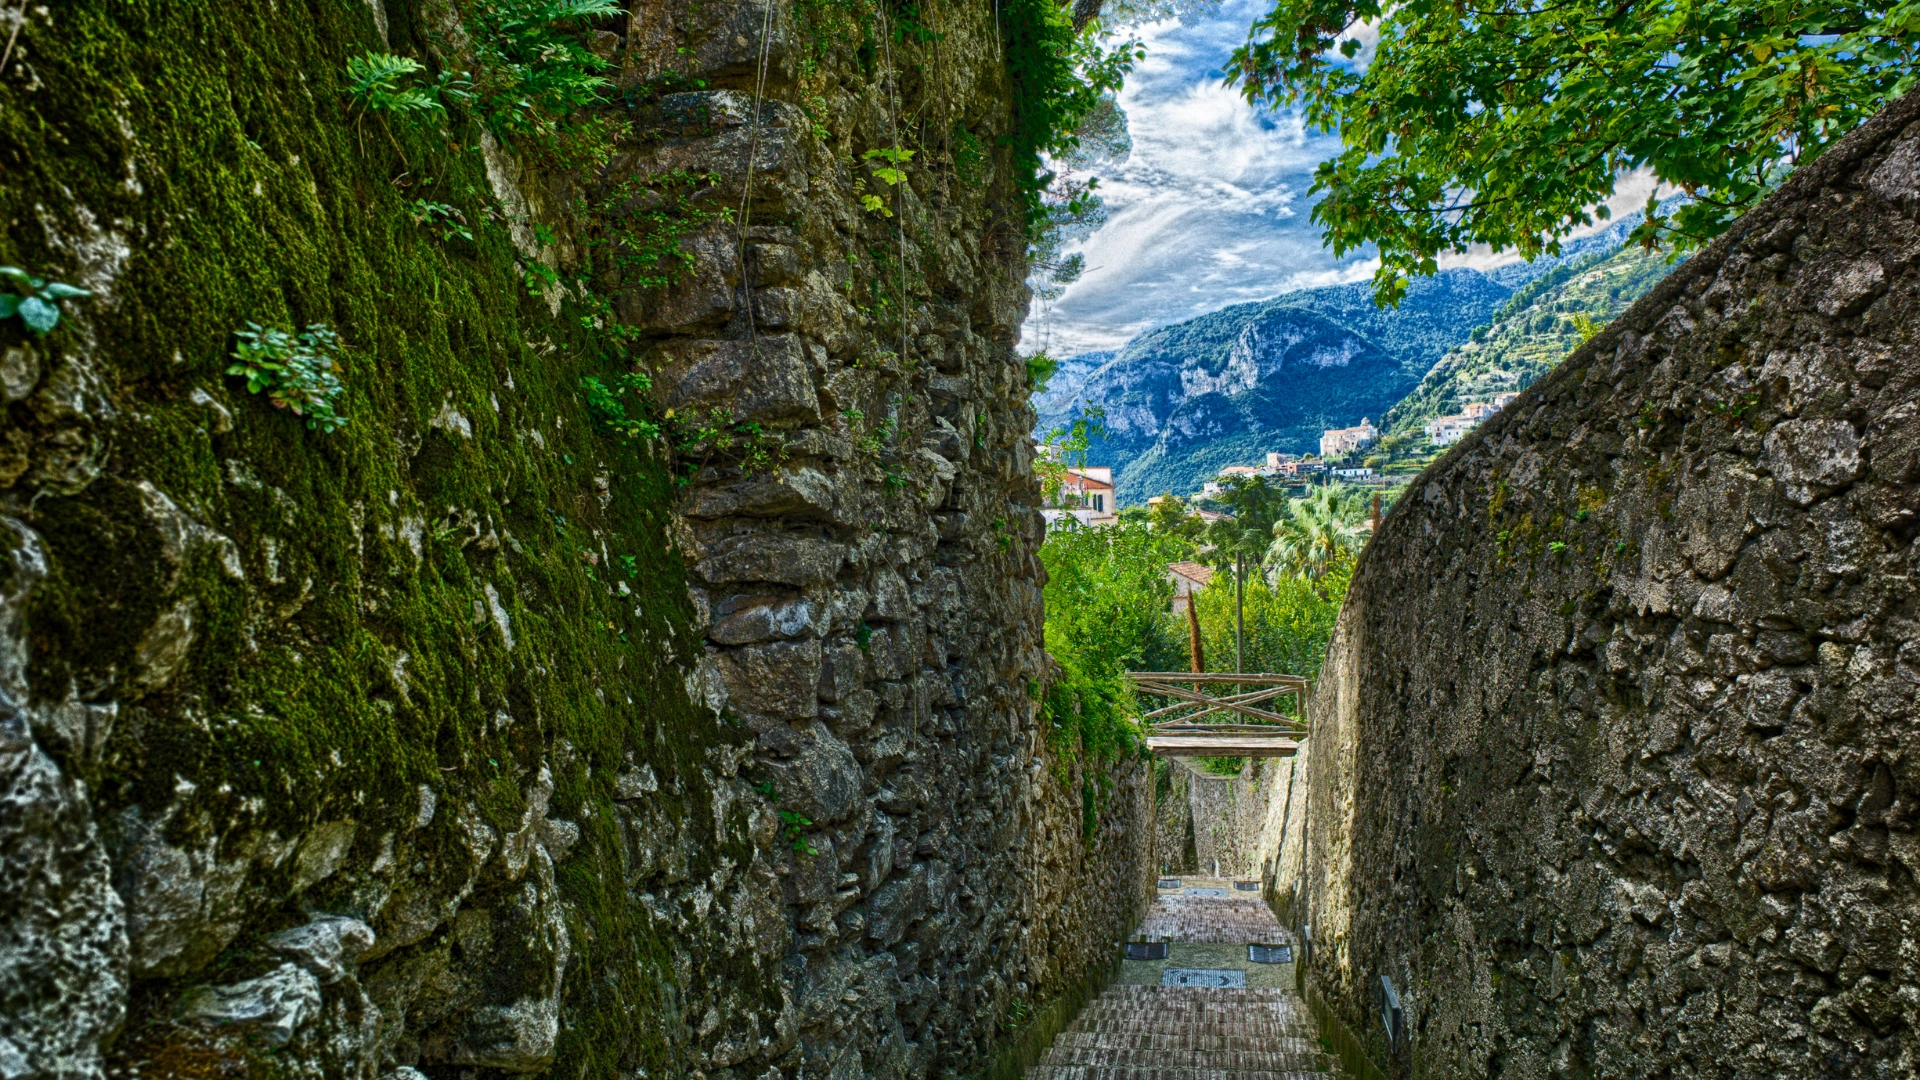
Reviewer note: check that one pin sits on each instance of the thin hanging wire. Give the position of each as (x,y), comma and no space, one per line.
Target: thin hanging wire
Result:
(746,194)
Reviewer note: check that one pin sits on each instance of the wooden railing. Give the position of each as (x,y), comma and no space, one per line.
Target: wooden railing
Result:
(1181,728)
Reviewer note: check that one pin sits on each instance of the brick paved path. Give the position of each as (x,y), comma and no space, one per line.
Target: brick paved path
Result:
(1235,920)
(1160,1032)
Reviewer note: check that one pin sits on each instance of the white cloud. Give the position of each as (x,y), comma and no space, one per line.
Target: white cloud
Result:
(1209,209)
(1629,197)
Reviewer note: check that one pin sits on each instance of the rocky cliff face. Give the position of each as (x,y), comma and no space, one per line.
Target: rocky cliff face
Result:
(1613,768)
(491,733)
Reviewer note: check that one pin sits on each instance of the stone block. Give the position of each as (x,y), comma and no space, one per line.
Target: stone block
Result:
(271,1008)
(821,779)
(798,494)
(745,620)
(771,682)
(763,381)
(776,557)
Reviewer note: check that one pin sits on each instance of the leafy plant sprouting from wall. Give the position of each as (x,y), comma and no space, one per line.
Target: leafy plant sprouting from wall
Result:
(298,372)
(38,301)
(616,404)
(441,218)
(889,167)
(1060,76)
(647,221)
(384,83)
(714,437)
(537,75)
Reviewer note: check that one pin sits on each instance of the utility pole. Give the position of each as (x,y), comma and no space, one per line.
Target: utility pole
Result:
(1239,611)
(1194,654)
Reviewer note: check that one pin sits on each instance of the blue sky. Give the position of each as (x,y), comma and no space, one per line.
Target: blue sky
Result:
(1210,208)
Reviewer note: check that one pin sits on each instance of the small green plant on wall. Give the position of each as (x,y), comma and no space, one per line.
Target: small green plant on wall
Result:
(888,165)
(614,403)
(442,219)
(297,372)
(383,82)
(38,301)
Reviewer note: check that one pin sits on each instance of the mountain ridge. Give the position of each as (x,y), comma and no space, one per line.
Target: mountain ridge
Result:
(1184,400)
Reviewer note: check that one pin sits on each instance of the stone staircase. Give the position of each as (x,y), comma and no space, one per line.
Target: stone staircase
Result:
(1147,1028)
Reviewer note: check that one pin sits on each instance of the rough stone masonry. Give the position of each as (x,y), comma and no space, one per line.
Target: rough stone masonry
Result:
(476,737)
(1615,767)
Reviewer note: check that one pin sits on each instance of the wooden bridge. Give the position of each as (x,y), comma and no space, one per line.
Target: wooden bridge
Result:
(1182,730)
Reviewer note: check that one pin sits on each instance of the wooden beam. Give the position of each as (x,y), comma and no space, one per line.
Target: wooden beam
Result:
(1222,746)
(1268,678)
(1251,698)
(1178,728)
(1201,699)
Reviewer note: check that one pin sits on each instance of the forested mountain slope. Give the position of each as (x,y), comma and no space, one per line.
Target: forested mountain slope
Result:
(1185,400)
(1530,333)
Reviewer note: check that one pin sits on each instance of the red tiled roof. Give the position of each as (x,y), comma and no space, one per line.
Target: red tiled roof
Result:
(1192,571)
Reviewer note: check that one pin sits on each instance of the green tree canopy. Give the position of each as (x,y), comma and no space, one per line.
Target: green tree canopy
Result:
(1508,122)
(1172,516)
(1256,506)
(1321,533)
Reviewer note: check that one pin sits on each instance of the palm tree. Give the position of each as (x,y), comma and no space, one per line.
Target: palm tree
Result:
(1318,533)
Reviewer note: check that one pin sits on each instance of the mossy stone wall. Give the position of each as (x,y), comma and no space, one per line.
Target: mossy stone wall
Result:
(1615,762)
(424,743)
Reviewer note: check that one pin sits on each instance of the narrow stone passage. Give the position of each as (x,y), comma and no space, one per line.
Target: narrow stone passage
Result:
(1201,1008)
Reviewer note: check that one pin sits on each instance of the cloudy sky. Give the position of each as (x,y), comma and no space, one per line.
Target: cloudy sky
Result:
(1211,207)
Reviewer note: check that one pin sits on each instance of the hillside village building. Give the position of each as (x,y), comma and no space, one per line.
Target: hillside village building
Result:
(1086,495)
(1188,578)
(1337,442)
(1447,430)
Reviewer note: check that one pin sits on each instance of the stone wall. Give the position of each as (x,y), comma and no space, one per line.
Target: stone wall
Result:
(1615,763)
(1173,839)
(1231,824)
(479,736)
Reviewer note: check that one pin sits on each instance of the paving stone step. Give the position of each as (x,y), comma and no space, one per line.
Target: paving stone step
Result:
(1228,996)
(1171,1004)
(1147,1014)
(1237,1060)
(1160,1073)
(1144,1032)
(1146,1040)
(1252,1033)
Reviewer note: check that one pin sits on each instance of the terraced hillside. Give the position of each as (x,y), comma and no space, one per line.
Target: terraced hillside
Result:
(1531,333)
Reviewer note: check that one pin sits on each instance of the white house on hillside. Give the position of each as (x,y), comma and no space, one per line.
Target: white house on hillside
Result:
(1447,430)
(1086,495)
(1335,442)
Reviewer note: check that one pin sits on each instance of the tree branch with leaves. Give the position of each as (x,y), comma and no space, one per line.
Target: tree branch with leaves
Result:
(1509,122)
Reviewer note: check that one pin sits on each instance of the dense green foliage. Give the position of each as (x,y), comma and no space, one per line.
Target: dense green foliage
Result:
(1060,75)
(1289,621)
(1321,534)
(1109,611)
(1107,594)
(1509,123)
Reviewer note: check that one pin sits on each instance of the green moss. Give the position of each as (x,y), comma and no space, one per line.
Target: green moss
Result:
(340,669)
